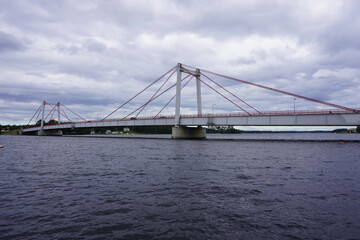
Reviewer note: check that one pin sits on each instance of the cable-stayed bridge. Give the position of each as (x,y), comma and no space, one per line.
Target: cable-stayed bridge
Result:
(192,125)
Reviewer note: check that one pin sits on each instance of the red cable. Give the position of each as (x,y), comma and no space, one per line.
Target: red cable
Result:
(50,112)
(73,112)
(145,103)
(284,92)
(175,94)
(151,100)
(60,111)
(65,115)
(54,106)
(231,93)
(34,115)
(37,117)
(156,92)
(138,93)
(217,91)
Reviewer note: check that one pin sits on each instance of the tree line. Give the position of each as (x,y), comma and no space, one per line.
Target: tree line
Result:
(138,129)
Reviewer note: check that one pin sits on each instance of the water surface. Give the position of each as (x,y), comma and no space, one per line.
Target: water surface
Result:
(116,188)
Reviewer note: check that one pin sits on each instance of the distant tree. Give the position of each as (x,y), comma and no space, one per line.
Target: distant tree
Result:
(52,122)
(230,130)
(340,130)
(358,129)
(151,129)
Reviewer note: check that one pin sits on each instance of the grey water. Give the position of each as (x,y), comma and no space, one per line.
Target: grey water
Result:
(124,188)
(315,137)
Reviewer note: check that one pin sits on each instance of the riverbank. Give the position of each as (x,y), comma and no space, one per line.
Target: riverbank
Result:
(260,137)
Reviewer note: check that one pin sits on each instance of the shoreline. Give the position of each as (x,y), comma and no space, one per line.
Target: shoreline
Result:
(218,139)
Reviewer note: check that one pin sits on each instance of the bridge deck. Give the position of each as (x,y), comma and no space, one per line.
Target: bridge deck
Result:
(300,118)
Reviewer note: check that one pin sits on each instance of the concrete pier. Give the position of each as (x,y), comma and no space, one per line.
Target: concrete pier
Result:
(183,132)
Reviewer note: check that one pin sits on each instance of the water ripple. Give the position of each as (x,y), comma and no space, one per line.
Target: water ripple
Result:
(60,188)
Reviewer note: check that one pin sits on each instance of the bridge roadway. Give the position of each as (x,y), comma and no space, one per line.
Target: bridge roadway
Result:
(300,118)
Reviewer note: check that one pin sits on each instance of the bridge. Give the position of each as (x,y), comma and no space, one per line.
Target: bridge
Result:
(194,125)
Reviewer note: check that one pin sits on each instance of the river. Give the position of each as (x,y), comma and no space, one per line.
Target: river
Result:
(158,188)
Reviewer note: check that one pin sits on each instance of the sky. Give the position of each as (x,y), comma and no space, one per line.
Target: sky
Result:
(92,55)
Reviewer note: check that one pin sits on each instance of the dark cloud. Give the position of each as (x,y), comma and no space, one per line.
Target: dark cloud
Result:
(10,43)
(92,45)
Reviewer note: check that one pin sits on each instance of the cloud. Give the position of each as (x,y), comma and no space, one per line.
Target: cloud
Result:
(344,73)
(94,56)
(10,43)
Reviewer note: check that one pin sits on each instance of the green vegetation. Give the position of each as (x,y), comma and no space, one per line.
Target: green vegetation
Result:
(223,130)
(14,129)
(340,130)
(10,129)
(152,129)
(120,130)
(12,132)
(345,130)
(51,122)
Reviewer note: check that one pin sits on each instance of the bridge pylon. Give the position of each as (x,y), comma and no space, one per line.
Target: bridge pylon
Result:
(53,132)
(184,132)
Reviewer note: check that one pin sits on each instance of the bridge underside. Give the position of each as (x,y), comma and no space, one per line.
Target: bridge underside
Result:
(182,132)
(335,119)
(52,132)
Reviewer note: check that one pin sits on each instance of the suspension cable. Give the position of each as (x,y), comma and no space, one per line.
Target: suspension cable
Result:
(61,109)
(138,93)
(53,109)
(217,92)
(37,117)
(231,93)
(283,92)
(50,112)
(34,114)
(156,92)
(175,94)
(151,100)
(73,112)
(65,115)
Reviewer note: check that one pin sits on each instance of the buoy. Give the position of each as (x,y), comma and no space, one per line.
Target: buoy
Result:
(1,146)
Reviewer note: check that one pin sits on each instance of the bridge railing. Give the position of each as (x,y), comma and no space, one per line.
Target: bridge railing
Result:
(273,113)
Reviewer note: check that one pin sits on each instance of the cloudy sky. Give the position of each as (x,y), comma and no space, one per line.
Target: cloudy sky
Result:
(93,55)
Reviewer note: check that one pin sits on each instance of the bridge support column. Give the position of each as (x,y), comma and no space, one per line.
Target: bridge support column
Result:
(178,93)
(56,132)
(182,132)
